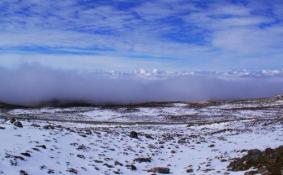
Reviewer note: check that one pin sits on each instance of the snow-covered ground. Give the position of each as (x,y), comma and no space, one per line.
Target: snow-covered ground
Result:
(186,138)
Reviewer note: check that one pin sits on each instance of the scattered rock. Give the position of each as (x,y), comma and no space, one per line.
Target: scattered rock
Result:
(98,161)
(26,154)
(161,170)
(148,136)
(42,167)
(19,157)
(221,131)
(12,120)
(131,167)
(142,159)
(182,141)
(35,125)
(48,127)
(50,171)
(118,163)
(41,146)
(72,170)
(22,172)
(108,166)
(189,170)
(82,147)
(81,156)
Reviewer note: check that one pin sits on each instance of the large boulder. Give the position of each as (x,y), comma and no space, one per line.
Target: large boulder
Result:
(134,134)
(18,124)
(161,170)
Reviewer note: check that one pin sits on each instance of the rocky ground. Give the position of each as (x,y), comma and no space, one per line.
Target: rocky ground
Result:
(168,138)
(269,161)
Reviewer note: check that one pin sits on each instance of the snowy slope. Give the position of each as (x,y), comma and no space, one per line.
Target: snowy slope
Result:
(199,138)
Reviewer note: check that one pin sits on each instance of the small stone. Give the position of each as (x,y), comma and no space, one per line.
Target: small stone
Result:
(26,154)
(132,167)
(148,136)
(108,165)
(189,170)
(82,147)
(41,146)
(48,127)
(118,163)
(22,172)
(72,170)
(12,120)
(50,171)
(81,156)
(142,159)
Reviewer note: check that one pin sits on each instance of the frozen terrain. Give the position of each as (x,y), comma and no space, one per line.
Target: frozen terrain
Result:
(183,138)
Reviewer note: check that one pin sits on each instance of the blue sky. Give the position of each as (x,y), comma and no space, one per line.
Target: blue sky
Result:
(131,34)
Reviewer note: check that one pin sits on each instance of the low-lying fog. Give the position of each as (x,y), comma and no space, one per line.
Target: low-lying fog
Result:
(30,84)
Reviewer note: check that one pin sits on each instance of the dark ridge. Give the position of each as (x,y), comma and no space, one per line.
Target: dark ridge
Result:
(58,103)
(70,103)
(10,106)
(67,104)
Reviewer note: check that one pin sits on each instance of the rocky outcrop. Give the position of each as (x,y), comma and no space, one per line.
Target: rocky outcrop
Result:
(268,162)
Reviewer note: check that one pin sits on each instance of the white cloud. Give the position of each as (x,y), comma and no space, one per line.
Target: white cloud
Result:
(229,31)
(251,41)
(230,9)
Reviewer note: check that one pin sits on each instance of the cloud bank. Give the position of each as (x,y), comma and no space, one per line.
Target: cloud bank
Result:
(33,84)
